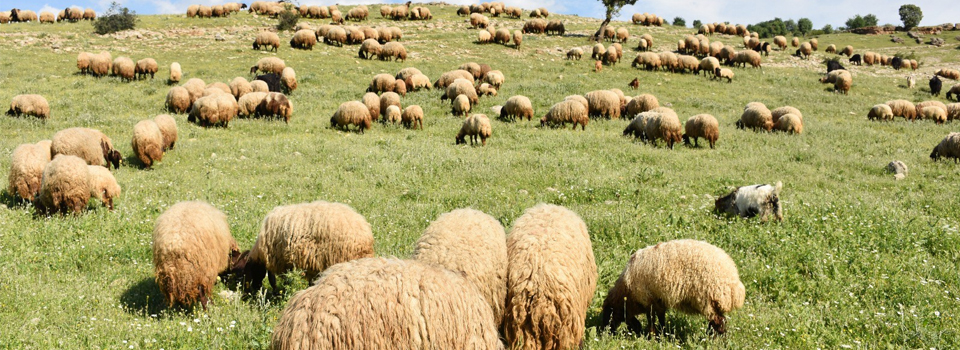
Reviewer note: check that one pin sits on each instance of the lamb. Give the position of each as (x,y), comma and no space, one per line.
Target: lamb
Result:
(949,73)
(103,186)
(903,108)
(26,169)
(551,279)
(393,114)
(486,89)
(168,127)
(756,117)
(518,106)
(147,142)
(310,237)
(948,148)
(178,100)
(690,276)
(269,65)
(192,245)
(781,111)
(275,104)
(880,112)
(701,125)
(412,117)
(477,125)
(567,111)
(937,114)
(461,105)
(144,67)
(214,110)
(751,201)
(790,122)
(387,303)
(91,145)
(289,79)
(124,68)
(723,73)
(175,73)
(303,39)
(935,86)
(64,186)
(372,101)
(603,103)
(32,105)
(352,113)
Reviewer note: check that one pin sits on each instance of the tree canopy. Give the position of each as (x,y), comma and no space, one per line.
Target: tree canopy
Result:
(861,21)
(910,15)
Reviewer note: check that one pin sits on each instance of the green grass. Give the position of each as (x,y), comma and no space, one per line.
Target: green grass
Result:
(861,260)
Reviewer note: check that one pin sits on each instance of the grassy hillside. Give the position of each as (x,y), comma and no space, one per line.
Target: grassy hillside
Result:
(861,260)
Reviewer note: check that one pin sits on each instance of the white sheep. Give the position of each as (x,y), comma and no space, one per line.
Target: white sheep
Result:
(751,201)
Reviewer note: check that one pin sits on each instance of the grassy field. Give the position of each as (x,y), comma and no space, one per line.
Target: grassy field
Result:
(860,261)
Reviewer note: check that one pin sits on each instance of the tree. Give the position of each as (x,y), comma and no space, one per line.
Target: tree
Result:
(115,19)
(679,22)
(804,25)
(613,9)
(697,24)
(859,22)
(790,26)
(769,28)
(827,29)
(910,15)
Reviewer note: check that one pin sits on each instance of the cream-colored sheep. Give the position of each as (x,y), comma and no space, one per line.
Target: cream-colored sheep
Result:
(949,147)
(701,125)
(269,65)
(352,113)
(26,169)
(64,186)
(168,127)
(567,111)
(603,103)
(518,106)
(32,105)
(880,112)
(477,125)
(756,117)
(91,145)
(147,142)
(790,122)
(103,186)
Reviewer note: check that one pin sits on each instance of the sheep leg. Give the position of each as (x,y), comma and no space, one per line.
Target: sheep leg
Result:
(718,324)
(273,280)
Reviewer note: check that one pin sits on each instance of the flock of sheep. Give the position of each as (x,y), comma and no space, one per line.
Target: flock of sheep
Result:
(70,14)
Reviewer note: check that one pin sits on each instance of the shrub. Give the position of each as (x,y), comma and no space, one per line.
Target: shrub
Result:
(679,22)
(697,24)
(115,19)
(287,20)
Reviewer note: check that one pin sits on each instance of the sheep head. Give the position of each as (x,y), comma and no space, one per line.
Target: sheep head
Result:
(112,156)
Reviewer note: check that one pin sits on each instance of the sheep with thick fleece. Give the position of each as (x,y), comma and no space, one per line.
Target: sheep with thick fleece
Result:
(461,105)
(449,77)
(756,117)
(955,92)
(386,303)
(372,101)
(101,64)
(91,145)
(789,122)
(32,105)
(389,99)
(392,115)
(269,65)
(551,279)
(393,51)
(239,86)
(382,83)
(147,142)
(931,103)
(269,40)
(144,67)
(701,125)
(248,103)
(412,117)
(937,114)
(192,245)
(880,112)
(168,128)
(352,113)
(664,125)
(781,111)
(26,169)
(638,125)
(477,125)
(461,87)
(721,73)
(471,243)
(418,81)
(949,73)
(64,186)
(847,50)
(949,147)
(603,103)
(289,79)
(103,186)
(178,100)
(83,62)
(903,108)
(308,236)
(124,68)
(494,78)
(953,111)
(751,201)
(567,111)
(690,276)
(518,106)
(214,110)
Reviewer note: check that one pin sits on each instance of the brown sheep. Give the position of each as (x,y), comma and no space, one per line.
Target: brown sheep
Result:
(144,67)
(26,169)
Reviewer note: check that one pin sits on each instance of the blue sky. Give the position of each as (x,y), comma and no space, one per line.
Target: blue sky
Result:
(834,12)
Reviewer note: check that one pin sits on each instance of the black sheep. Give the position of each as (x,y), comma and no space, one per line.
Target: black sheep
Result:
(935,86)
(833,65)
(272,80)
(856,59)
(897,62)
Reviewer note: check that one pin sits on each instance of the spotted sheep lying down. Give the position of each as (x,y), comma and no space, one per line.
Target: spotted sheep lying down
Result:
(751,201)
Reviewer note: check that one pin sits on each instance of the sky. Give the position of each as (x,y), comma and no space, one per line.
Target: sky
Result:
(821,12)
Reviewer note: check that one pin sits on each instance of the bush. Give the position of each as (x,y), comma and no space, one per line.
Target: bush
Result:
(679,22)
(288,18)
(861,21)
(697,24)
(115,19)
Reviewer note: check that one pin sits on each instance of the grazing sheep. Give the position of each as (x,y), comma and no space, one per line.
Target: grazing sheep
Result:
(369,48)
(598,51)
(841,79)
(501,36)
(382,83)
(461,105)
(780,41)
(400,88)
(949,147)
(477,125)
(103,185)
(847,50)
(751,201)
(641,103)
(638,125)
(690,276)
(144,67)
(790,122)
(124,68)
(372,101)
(880,112)
(417,81)
(935,113)
(303,39)
(91,145)
(178,100)
(805,50)
(949,73)
(393,114)
(175,73)
(746,57)
(389,99)
(269,65)
(723,73)
(955,91)
(567,111)
(461,87)
(517,39)
(777,113)
(831,48)
(393,51)
(32,105)
(168,127)
(412,117)
(192,245)
(248,103)
(26,169)
(603,103)
(147,142)
(484,37)
(275,104)
(220,86)
(486,89)
(83,62)
(935,86)
(664,124)
(259,86)
(387,303)
(551,279)
(518,106)
(352,113)
(756,117)
(449,77)
(195,87)
(239,86)
(64,186)
(903,108)
(494,78)
(289,79)
(214,110)
(701,125)
(310,237)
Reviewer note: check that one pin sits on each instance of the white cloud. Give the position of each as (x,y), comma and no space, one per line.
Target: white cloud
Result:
(164,7)
(51,9)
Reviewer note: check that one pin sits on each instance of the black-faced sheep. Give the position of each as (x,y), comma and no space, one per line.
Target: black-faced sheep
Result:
(352,113)
(369,48)
(955,91)
(144,67)
(575,53)
(663,124)
(26,169)
(690,276)
(701,125)
(518,106)
(32,105)
(722,73)
(551,279)
(751,201)
(103,186)
(948,148)
(303,39)
(91,145)
(471,243)
(192,245)
(386,303)
(147,142)
(477,125)
(64,186)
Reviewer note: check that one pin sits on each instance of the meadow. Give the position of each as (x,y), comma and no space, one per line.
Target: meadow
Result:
(861,260)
